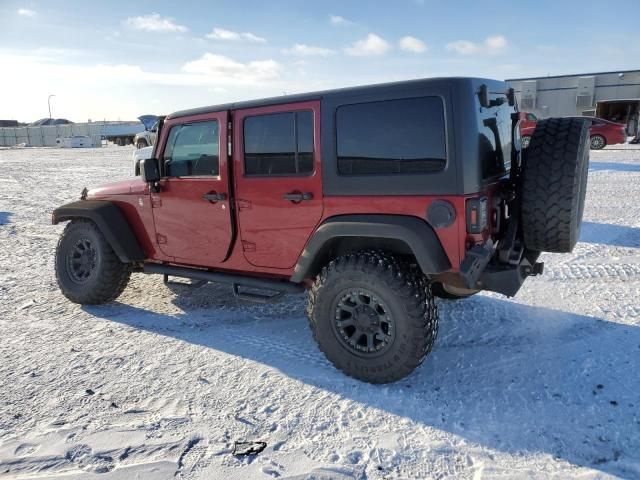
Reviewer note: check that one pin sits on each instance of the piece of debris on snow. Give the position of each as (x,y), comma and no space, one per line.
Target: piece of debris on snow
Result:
(26,305)
(248,448)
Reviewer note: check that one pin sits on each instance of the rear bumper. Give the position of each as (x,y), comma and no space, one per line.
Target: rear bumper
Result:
(482,270)
(617,138)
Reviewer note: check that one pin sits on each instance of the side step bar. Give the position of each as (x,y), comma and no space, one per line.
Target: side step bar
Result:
(278,287)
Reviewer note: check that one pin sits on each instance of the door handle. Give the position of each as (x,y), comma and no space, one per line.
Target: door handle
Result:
(214,197)
(297,197)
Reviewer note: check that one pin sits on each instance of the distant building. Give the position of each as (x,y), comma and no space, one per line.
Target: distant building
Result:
(611,95)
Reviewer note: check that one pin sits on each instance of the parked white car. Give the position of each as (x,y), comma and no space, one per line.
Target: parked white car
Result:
(140,154)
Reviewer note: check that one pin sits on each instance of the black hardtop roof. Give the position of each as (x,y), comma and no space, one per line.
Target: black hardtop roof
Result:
(304,97)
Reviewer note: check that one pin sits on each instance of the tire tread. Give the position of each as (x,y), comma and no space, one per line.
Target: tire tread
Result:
(409,285)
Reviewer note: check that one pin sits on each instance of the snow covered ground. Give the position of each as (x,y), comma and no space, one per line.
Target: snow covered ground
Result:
(162,382)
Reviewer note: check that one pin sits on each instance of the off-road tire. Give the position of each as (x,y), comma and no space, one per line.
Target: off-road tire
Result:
(105,281)
(554,183)
(439,291)
(405,291)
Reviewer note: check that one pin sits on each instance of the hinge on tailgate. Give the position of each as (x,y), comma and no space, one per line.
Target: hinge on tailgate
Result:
(475,262)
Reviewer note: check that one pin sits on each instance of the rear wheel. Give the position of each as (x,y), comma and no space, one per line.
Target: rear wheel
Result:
(87,269)
(525,141)
(597,142)
(372,316)
(142,143)
(554,183)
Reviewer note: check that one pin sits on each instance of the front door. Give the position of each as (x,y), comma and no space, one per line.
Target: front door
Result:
(191,210)
(278,181)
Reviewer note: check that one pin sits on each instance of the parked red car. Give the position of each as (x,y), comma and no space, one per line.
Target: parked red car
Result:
(602,133)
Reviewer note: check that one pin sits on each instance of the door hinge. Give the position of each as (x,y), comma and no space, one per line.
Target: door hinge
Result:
(161,238)
(248,246)
(244,205)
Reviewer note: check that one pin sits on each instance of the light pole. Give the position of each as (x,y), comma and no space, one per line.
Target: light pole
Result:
(49,103)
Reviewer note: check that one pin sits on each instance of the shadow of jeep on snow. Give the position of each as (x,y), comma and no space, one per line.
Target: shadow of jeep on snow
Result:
(510,377)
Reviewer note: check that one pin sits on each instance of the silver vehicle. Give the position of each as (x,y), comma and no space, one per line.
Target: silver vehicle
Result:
(148,137)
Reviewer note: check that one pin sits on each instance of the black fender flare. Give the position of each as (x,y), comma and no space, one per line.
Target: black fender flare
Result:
(416,233)
(111,222)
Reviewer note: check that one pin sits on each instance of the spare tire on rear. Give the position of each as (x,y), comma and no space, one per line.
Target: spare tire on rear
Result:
(554,182)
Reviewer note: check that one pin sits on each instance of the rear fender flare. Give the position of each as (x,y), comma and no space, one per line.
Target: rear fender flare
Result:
(415,233)
(111,222)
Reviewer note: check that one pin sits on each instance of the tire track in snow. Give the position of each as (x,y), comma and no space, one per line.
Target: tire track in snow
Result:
(592,271)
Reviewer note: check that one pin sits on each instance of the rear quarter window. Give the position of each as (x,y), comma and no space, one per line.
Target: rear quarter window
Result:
(404,136)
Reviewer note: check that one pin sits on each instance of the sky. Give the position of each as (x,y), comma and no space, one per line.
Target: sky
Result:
(120,59)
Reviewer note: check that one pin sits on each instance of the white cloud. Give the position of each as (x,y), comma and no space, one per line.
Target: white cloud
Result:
(412,44)
(224,69)
(86,88)
(369,46)
(155,23)
(210,70)
(338,20)
(493,45)
(497,42)
(229,35)
(308,50)
(25,12)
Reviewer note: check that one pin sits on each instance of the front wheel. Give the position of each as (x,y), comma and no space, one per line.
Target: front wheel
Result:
(87,269)
(372,316)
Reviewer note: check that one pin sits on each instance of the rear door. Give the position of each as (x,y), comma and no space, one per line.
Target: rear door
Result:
(278,181)
(191,211)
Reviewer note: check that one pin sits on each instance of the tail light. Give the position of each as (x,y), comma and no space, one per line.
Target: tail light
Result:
(477,214)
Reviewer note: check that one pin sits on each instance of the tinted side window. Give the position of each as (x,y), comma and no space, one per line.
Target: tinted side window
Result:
(397,136)
(192,149)
(279,144)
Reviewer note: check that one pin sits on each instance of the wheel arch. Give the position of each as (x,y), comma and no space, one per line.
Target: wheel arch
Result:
(110,220)
(398,234)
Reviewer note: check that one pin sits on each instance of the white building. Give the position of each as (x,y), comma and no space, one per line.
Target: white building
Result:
(611,95)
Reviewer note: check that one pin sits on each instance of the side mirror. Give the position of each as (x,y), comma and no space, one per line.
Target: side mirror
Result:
(149,170)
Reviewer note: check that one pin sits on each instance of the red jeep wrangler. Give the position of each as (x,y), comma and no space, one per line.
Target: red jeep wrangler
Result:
(373,198)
